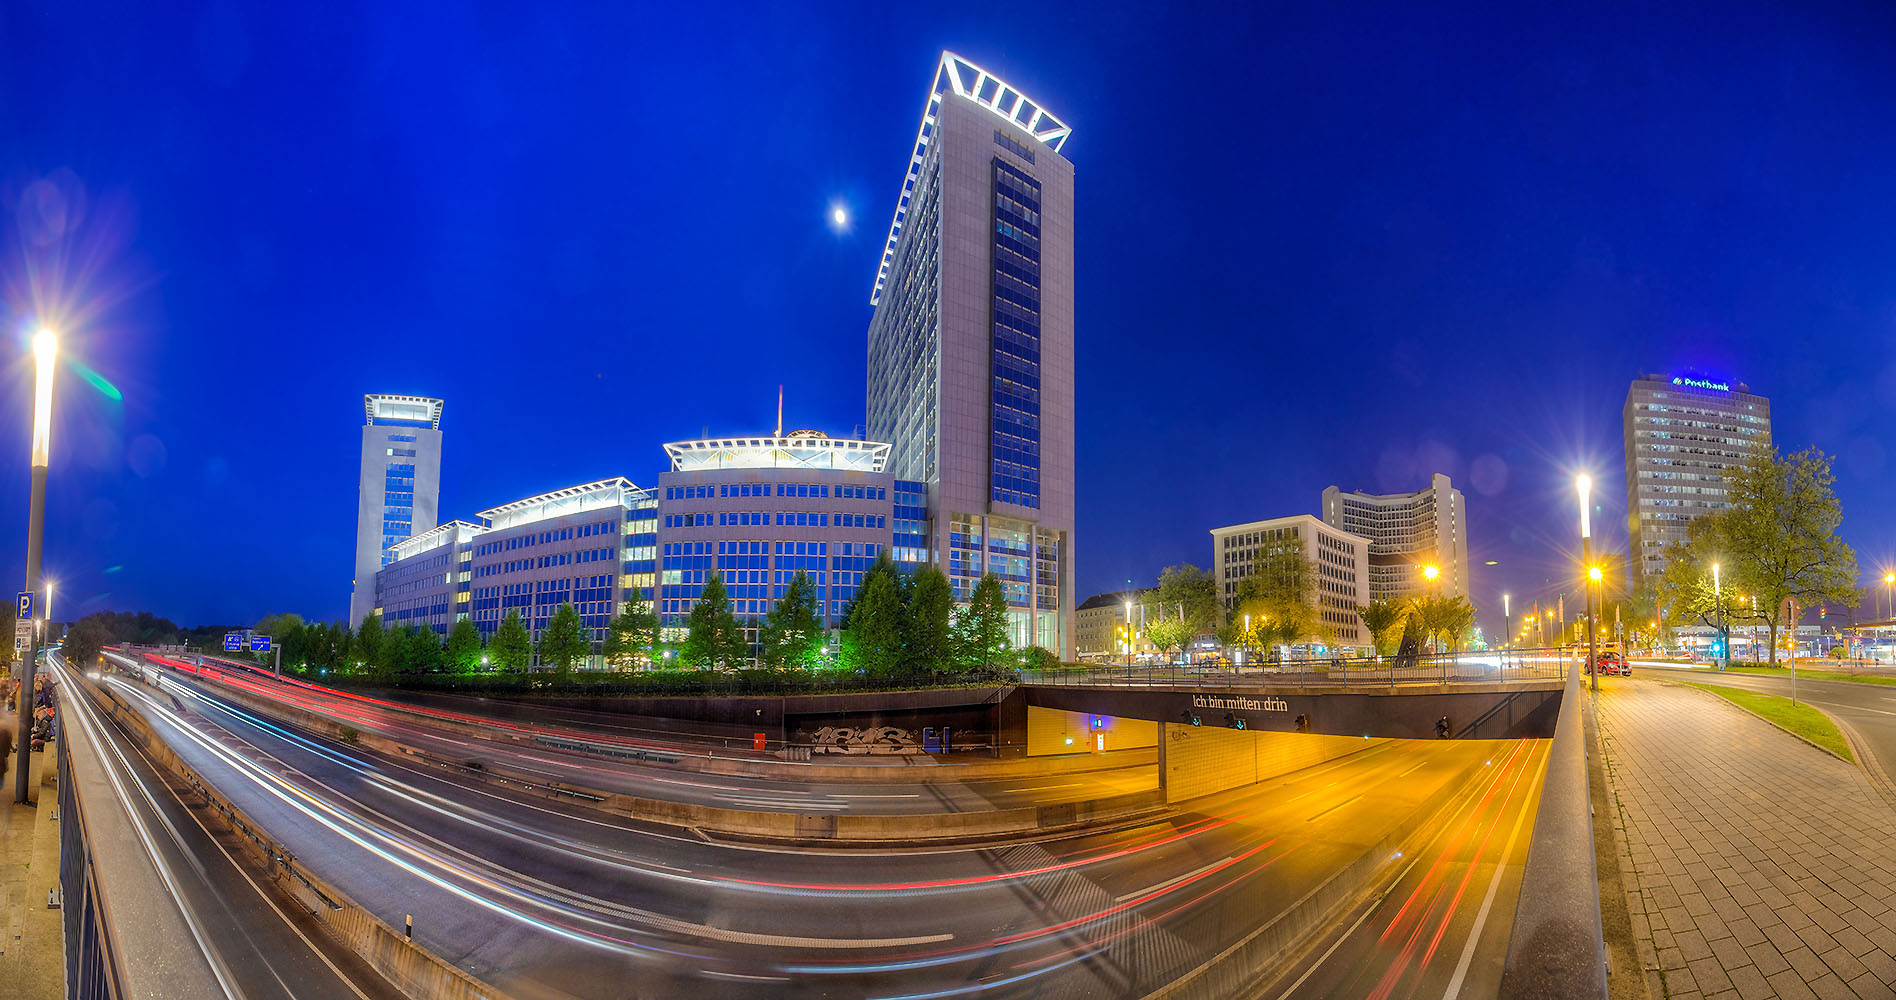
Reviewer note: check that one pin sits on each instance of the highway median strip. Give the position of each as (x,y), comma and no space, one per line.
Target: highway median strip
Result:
(1800,720)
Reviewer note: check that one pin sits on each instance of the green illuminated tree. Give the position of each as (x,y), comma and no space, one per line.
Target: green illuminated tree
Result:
(928,623)
(463,654)
(792,632)
(565,640)
(1776,542)
(981,630)
(512,645)
(714,638)
(632,638)
(84,640)
(367,648)
(872,641)
(1188,596)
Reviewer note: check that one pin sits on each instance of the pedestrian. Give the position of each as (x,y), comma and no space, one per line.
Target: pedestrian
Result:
(6,746)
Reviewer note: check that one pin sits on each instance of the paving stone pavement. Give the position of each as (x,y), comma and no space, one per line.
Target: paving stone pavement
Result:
(1755,865)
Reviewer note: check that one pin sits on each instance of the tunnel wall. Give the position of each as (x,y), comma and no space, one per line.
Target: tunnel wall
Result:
(1474,712)
(1053,731)
(1200,760)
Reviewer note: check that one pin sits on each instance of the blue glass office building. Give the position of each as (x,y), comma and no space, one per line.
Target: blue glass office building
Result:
(971,344)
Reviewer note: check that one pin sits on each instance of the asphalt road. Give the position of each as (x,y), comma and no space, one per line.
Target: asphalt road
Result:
(678,784)
(1868,709)
(545,902)
(262,945)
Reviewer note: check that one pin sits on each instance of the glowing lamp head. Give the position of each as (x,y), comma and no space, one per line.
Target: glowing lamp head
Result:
(1593,573)
(1584,483)
(839,216)
(1889,577)
(45,352)
(1430,573)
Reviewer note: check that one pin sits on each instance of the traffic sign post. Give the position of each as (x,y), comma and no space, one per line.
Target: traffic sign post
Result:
(260,644)
(25,602)
(233,642)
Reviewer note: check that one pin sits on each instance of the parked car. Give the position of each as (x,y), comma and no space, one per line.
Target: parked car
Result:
(1611,664)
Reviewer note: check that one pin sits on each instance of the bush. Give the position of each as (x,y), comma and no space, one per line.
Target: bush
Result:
(1037,658)
(348,734)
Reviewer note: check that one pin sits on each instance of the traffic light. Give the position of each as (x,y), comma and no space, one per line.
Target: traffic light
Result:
(1189,718)
(1233,721)
(1303,723)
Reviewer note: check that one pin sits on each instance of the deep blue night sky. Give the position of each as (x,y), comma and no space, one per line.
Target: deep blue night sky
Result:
(1319,244)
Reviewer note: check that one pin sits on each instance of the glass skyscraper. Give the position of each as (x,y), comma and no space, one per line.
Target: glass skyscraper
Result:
(399,489)
(971,344)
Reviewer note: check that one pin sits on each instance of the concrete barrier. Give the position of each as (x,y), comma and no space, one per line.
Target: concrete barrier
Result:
(1558,950)
(413,969)
(806,829)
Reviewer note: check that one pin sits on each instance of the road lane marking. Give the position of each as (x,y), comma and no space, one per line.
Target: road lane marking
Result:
(1333,808)
(1168,883)
(1411,770)
(1481,917)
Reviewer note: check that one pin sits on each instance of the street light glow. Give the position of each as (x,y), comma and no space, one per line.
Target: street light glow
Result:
(45,351)
(1593,573)
(1584,483)
(1430,573)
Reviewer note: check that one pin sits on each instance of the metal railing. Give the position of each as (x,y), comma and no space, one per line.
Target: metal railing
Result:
(1482,667)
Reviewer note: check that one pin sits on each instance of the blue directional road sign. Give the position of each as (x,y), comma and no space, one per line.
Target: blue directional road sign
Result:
(260,644)
(26,605)
(233,642)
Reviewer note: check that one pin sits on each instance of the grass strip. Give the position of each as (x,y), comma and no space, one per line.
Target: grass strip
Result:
(1815,674)
(1799,719)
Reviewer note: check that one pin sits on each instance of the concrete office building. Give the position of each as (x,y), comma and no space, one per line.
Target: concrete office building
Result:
(399,485)
(1407,531)
(1097,620)
(1341,560)
(758,509)
(1682,433)
(971,344)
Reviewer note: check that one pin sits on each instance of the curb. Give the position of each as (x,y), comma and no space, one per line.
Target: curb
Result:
(1773,725)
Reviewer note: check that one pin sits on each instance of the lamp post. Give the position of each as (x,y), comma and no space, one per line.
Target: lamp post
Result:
(1247,637)
(1507,629)
(45,353)
(1584,484)
(1129,640)
(1718,600)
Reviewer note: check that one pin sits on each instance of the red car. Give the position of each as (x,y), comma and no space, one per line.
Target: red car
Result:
(1612,664)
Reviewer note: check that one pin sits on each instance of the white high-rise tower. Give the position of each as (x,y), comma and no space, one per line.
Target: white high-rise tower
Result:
(399,490)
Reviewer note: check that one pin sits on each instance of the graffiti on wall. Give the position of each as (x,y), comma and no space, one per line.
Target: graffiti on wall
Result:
(864,740)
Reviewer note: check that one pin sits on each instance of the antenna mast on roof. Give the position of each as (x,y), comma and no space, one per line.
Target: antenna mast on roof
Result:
(780,411)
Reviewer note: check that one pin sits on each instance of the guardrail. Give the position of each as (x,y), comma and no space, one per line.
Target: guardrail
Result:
(1486,667)
(125,934)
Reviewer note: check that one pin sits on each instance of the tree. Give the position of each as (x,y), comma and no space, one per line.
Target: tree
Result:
(84,640)
(1280,596)
(367,648)
(565,639)
(1190,595)
(413,651)
(872,641)
(1169,631)
(512,646)
(981,630)
(463,655)
(792,633)
(1781,526)
(1444,619)
(1380,618)
(632,637)
(928,623)
(713,637)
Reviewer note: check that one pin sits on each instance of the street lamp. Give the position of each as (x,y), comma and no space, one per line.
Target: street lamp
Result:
(1247,637)
(1584,484)
(1718,600)
(1129,640)
(1889,579)
(1507,627)
(45,353)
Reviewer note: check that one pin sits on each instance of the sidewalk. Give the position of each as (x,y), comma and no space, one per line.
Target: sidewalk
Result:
(1755,865)
(32,959)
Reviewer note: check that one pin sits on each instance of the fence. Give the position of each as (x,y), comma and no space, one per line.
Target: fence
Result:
(1483,667)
